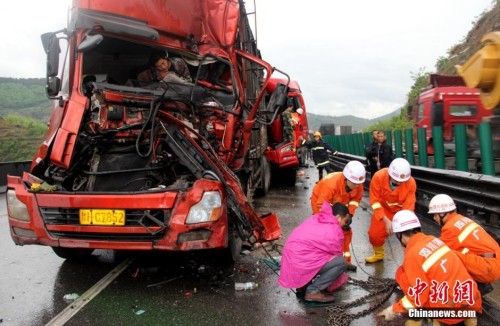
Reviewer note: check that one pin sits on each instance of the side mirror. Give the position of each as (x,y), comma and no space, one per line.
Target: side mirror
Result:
(278,98)
(90,42)
(52,86)
(51,46)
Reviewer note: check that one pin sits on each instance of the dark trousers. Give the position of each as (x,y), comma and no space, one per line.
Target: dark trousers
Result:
(327,274)
(327,167)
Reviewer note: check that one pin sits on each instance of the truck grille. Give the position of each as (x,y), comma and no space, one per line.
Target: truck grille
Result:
(133,218)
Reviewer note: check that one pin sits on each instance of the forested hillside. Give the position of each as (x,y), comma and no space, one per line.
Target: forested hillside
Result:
(24,97)
(19,137)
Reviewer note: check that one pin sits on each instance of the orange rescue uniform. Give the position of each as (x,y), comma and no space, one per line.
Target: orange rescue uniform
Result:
(387,202)
(332,189)
(295,122)
(479,252)
(433,277)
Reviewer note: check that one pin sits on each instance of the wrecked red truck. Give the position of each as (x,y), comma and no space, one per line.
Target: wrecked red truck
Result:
(129,164)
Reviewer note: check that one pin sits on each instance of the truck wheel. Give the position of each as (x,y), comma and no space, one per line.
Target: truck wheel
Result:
(72,253)
(232,252)
(265,177)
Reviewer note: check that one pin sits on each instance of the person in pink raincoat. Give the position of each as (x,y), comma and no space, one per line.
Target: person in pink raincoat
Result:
(312,255)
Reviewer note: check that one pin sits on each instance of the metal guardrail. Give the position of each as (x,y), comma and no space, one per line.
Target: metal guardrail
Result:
(12,168)
(477,196)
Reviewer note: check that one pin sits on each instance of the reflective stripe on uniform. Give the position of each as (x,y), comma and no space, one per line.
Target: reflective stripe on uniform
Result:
(323,163)
(317,148)
(354,203)
(331,175)
(393,204)
(347,254)
(406,303)
(471,227)
(376,206)
(465,250)
(436,255)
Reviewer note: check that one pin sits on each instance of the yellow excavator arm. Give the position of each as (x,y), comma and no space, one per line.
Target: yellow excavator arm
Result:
(482,70)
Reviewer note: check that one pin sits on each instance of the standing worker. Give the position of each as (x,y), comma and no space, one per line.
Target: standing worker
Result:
(371,153)
(345,188)
(479,252)
(391,189)
(320,153)
(431,276)
(287,124)
(312,255)
(384,155)
(295,121)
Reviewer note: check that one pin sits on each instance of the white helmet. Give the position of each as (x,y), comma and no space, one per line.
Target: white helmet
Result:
(404,220)
(441,204)
(300,111)
(400,170)
(355,172)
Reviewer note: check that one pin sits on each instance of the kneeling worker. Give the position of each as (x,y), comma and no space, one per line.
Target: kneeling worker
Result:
(479,252)
(345,188)
(431,276)
(312,255)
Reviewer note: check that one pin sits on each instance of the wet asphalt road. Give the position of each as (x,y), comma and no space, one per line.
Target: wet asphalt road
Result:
(184,289)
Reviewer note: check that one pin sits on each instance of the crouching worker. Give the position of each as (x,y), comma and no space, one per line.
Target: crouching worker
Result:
(431,277)
(312,256)
(479,252)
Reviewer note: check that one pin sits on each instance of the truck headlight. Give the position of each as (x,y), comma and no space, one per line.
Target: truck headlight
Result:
(16,208)
(207,209)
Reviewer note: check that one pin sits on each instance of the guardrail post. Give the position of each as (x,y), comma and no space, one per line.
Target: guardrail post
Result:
(388,134)
(423,160)
(398,143)
(342,143)
(460,133)
(352,146)
(336,142)
(409,146)
(358,139)
(486,146)
(438,143)
(367,139)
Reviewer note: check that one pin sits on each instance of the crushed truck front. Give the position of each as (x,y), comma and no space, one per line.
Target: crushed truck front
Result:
(138,164)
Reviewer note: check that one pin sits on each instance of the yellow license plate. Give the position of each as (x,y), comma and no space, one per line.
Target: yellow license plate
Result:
(102,217)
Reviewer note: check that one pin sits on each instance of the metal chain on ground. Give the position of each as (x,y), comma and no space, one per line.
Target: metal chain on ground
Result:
(379,290)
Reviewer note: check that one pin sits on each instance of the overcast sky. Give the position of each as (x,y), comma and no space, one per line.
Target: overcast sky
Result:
(350,57)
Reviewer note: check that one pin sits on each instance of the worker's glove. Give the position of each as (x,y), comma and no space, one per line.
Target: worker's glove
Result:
(388,313)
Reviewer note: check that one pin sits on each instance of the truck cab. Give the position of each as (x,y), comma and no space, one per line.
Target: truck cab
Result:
(286,156)
(138,163)
(446,103)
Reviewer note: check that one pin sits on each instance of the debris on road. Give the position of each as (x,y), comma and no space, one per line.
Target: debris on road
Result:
(245,286)
(70,297)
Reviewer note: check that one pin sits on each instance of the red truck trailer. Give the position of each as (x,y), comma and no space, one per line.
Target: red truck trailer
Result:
(150,164)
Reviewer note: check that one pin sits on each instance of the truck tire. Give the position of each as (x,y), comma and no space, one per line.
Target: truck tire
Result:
(233,251)
(265,177)
(72,254)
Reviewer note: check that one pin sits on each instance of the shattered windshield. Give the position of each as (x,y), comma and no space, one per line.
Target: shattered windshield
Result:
(124,65)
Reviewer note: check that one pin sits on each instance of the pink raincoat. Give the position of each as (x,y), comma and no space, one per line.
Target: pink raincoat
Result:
(311,245)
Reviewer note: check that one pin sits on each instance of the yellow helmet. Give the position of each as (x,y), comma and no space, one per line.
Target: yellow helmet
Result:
(317,133)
